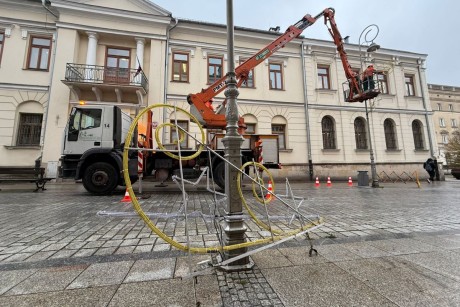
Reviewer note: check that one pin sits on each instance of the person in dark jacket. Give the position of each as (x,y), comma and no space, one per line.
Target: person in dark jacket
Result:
(430,169)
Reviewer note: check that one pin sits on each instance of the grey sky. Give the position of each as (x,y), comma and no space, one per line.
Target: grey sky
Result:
(422,26)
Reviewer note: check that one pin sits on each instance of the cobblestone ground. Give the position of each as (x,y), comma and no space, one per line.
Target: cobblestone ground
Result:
(61,226)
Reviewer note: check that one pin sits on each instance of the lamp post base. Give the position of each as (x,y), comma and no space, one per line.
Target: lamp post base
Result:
(375,184)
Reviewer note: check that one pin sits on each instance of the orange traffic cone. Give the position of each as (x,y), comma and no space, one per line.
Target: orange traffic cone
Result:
(317,182)
(270,189)
(350,182)
(329,183)
(127,198)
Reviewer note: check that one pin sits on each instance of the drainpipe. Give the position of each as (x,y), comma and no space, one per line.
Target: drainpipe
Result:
(307,119)
(425,106)
(53,60)
(165,86)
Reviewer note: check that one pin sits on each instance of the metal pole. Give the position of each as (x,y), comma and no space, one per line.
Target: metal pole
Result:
(234,228)
(425,106)
(307,116)
(375,181)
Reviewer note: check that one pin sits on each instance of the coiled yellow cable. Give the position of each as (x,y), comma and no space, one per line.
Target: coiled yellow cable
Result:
(202,250)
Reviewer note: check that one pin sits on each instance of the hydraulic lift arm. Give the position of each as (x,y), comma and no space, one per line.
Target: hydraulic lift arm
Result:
(202,101)
(355,92)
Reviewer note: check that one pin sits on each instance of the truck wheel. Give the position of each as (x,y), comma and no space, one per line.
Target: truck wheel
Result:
(218,173)
(100,178)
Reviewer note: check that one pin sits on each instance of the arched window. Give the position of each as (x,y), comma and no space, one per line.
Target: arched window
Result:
(417,132)
(360,133)
(279,127)
(30,119)
(390,134)
(251,123)
(327,124)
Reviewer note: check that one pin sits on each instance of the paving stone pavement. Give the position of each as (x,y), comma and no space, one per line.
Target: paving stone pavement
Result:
(56,250)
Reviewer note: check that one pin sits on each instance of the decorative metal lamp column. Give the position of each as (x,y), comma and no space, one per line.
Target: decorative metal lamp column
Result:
(372,47)
(233,225)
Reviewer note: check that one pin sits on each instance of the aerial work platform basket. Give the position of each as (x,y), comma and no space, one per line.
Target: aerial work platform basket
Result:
(367,88)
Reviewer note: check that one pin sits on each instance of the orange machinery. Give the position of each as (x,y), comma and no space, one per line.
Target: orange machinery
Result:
(214,119)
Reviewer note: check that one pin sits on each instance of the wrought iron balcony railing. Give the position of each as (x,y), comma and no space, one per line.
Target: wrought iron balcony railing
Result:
(105,75)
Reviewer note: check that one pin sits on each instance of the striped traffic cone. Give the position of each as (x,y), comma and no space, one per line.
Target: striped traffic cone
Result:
(127,198)
(350,182)
(329,183)
(317,182)
(270,189)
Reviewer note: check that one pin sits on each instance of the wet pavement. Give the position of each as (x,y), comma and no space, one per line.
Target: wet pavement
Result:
(398,246)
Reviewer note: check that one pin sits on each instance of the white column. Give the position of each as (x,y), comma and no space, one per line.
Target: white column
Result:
(140,42)
(92,46)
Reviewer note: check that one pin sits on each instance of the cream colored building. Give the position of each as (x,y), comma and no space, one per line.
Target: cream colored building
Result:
(445,102)
(297,93)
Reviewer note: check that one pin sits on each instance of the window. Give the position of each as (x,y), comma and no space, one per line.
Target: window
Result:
(211,134)
(417,133)
(250,81)
(117,65)
(390,134)
(360,133)
(453,123)
(328,129)
(250,128)
(39,53)
(2,39)
(280,130)
(30,126)
(83,119)
(451,107)
(445,138)
(276,76)
(383,80)
(180,67)
(442,122)
(323,77)
(183,137)
(409,80)
(214,69)
(439,107)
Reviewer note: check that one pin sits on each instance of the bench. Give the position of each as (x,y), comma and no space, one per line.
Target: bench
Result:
(24,174)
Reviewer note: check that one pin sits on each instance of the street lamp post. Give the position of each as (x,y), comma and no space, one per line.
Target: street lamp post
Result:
(372,47)
(233,225)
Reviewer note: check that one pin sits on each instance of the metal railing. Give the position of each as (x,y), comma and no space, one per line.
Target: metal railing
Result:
(105,75)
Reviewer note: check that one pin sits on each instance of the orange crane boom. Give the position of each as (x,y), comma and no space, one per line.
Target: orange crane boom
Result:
(202,101)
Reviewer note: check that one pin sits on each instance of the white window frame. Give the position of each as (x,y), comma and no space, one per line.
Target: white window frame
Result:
(442,122)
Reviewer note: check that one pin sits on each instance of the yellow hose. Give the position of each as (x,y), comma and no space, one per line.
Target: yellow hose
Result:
(168,239)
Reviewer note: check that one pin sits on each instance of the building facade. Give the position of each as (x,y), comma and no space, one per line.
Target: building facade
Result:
(445,102)
(57,54)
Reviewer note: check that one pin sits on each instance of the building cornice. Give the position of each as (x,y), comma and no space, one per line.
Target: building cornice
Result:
(362,109)
(223,48)
(27,23)
(443,88)
(24,87)
(270,36)
(73,26)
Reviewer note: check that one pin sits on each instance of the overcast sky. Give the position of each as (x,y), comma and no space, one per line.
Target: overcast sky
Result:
(421,26)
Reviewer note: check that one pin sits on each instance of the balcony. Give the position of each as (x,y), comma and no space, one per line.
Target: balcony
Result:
(107,84)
